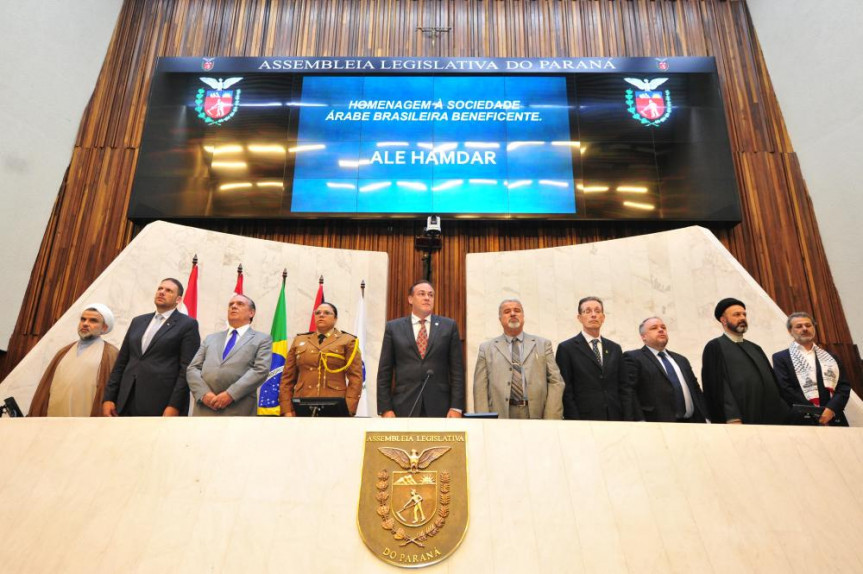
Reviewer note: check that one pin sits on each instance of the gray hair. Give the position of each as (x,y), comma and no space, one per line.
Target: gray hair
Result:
(250,302)
(505,301)
(641,325)
(797,315)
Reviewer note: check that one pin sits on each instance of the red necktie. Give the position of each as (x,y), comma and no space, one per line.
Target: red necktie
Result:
(423,339)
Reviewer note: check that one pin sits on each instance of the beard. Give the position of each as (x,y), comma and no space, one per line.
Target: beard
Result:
(740,327)
(513,323)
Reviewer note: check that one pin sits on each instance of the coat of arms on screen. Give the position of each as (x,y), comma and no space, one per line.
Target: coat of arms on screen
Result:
(646,104)
(413,508)
(218,104)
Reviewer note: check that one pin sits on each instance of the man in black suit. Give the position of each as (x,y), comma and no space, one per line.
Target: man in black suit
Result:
(421,348)
(807,374)
(592,368)
(663,386)
(149,377)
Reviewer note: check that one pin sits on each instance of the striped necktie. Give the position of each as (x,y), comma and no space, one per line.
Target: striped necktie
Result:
(517,391)
(595,344)
(679,399)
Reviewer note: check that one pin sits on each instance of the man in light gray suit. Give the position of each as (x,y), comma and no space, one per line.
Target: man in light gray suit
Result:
(229,367)
(516,374)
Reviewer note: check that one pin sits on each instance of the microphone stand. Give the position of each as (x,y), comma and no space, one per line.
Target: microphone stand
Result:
(429,374)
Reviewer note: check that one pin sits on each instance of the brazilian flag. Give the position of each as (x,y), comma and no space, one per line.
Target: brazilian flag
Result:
(268,403)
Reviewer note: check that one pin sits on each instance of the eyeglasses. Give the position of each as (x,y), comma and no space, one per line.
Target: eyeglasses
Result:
(594,311)
(323,313)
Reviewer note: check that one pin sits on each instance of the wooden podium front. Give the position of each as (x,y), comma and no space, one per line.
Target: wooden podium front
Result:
(260,495)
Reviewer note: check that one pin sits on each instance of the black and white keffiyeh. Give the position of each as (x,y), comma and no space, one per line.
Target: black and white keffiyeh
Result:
(806,373)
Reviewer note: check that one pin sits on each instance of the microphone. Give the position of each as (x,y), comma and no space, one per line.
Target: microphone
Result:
(429,374)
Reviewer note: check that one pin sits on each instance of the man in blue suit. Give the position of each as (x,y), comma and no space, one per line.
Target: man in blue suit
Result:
(149,377)
(421,348)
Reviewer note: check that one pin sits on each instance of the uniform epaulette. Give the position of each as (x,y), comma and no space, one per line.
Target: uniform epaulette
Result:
(306,333)
(346,333)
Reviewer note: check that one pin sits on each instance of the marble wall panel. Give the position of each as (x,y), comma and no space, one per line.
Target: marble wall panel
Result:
(166,250)
(679,275)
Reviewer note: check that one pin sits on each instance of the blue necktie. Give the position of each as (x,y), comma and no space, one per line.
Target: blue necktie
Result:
(231,342)
(679,401)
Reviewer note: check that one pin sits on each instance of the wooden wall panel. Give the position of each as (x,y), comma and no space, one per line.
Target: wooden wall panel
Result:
(778,240)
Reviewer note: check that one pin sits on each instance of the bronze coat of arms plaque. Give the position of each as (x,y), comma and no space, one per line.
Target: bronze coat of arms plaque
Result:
(413,508)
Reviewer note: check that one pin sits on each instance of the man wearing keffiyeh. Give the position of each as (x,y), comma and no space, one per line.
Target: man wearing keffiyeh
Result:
(807,374)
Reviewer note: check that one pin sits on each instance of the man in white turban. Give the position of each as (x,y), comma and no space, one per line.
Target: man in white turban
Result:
(74,381)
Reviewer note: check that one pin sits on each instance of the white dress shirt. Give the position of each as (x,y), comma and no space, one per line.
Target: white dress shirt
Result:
(415,322)
(240,332)
(589,339)
(155,325)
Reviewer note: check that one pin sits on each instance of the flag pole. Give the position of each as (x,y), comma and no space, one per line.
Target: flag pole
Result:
(360,333)
(189,304)
(268,400)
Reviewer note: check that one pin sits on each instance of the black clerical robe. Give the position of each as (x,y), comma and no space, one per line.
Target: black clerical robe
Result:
(739,383)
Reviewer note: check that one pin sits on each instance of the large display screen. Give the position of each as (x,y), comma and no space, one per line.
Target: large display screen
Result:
(585,144)
(425,144)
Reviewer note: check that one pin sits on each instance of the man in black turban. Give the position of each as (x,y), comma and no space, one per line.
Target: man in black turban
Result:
(739,383)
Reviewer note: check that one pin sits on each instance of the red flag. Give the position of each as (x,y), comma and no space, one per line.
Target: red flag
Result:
(318,300)
(238,289)
(190,300)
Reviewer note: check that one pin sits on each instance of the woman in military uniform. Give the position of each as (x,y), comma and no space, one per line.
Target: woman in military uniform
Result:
(325,362)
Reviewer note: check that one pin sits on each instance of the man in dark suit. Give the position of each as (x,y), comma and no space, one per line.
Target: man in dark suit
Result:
(149,377)
(592,368)
(807,374)
(663,386)
(421,348)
